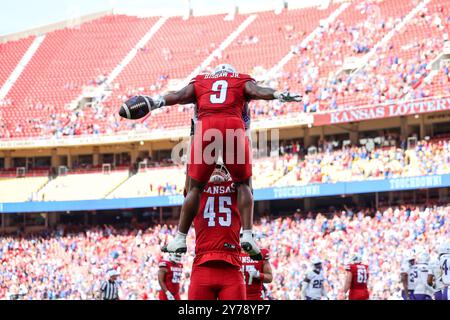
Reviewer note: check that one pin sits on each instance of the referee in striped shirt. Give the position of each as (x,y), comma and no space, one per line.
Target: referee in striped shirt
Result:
(110,288)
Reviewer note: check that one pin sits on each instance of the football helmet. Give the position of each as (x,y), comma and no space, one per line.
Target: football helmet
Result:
(424,257)
(444,248)
(224,67)
(410,256)
(220,174)
(316,263)
(355,258)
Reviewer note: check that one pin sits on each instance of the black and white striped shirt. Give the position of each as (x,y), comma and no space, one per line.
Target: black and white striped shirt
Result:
(109,290)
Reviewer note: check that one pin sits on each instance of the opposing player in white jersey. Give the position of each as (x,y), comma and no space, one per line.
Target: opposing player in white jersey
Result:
(435,279)
(408,274)
(444,263)
(422,291)
(313,285)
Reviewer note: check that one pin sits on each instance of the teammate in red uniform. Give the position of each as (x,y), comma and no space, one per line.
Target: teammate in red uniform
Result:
(357,275)
(169,276)
(220,98)
(255,274)
(216,270)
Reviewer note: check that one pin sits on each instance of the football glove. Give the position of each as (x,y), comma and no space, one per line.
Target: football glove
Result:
(287,96)
(255,274)
(158,102)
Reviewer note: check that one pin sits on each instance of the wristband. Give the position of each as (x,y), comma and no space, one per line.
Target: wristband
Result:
(158,102)
(276,94)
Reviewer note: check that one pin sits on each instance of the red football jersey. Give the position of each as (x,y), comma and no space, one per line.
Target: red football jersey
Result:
(254,286)
(360,275)
(221,94)
(217,225)
(173,275)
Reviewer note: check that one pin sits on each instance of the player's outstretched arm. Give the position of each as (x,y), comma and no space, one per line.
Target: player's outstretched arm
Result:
(254,92)
(183,96)
(139,106)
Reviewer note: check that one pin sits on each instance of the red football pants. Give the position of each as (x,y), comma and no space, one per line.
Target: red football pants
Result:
(220,135)
(358,295)
(216,280)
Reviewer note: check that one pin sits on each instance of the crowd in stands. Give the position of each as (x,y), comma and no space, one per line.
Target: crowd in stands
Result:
(350,163)
(332,161)
(395,71)
(71,263)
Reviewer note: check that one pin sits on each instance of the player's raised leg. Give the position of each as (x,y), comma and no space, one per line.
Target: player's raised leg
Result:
(199,172)
(238,159)
(187,215)
(245,206)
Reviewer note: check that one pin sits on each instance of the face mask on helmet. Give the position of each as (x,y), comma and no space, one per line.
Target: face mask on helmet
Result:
(220,174)
(318,266)
(175,257)
(356,258)
(444,249)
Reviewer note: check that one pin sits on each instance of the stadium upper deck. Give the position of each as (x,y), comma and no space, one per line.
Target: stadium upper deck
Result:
(310,48)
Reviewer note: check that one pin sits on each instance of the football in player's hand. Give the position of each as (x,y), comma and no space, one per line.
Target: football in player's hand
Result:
(136,107)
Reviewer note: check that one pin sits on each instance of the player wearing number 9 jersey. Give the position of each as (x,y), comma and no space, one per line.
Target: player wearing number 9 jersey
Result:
(357,276)
(255,274)
(220,98)
(216,270)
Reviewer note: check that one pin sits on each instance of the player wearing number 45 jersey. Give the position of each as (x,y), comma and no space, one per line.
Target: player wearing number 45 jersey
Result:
(356,279)
(169,276)
(216,270)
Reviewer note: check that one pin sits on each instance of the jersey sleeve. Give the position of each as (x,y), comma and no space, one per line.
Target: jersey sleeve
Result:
(348,267)
(247,77)
(265,254)
(194,79)
(163,264)
(432,268)
(309,275)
